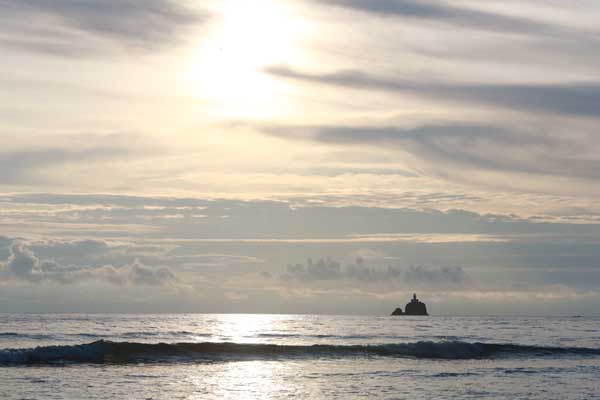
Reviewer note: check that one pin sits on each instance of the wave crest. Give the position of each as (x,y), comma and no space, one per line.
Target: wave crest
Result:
(131,352)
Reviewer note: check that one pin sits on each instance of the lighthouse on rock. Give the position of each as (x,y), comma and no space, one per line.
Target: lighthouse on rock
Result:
(415,307)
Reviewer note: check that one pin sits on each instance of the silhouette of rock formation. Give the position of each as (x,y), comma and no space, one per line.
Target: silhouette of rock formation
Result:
(415,307)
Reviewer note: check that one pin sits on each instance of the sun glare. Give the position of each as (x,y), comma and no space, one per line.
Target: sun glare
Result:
(226,70)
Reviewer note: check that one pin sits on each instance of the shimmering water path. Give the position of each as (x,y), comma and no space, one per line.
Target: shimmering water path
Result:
(286,356)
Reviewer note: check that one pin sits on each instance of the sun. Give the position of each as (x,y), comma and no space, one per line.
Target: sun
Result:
(227,69)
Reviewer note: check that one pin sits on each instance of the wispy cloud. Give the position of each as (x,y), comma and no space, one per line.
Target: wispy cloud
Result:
(569,98)
(71,27)
(447,13)
(453,146)
(24,165)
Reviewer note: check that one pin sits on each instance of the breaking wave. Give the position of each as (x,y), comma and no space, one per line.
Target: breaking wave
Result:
(132,352)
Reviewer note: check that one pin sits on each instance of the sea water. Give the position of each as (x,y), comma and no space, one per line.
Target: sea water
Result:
(207,356)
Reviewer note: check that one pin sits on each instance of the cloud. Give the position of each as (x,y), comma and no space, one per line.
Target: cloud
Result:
(74,27)
(321,270)
(465,145)
(44,163)
(71,248)
(329,270)
(419,274)
(580,98)
(442,12)
(21,166)
(24,265)
(5,241)
(234,222)
(140,274)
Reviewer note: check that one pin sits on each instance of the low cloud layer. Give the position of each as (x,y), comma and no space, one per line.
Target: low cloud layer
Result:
(328,270)
(23,265)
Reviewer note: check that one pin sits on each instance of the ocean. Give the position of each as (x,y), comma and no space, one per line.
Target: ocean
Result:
(210,356)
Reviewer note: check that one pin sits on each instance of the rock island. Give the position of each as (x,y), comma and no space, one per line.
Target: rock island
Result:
(415,307)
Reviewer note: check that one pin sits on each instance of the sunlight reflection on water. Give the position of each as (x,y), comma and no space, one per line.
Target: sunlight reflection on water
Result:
(305,374)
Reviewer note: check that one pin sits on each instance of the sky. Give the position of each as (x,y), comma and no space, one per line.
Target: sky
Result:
(315,156)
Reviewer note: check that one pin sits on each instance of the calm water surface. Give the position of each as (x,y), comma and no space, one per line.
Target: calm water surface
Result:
(297,356)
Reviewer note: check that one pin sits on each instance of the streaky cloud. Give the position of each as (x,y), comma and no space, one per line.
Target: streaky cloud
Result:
(443,12)
(74,28)
(24,165)
(580,98)
(460,145)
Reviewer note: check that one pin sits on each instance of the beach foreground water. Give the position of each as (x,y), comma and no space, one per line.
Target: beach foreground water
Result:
(208,356)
